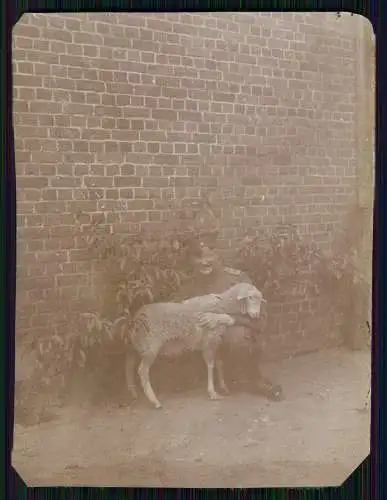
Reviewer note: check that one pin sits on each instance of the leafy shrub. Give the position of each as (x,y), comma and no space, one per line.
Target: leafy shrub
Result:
(280,263)
(130,271)
(127,272)
(287,268)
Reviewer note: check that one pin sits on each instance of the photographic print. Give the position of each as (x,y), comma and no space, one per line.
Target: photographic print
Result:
(194,248)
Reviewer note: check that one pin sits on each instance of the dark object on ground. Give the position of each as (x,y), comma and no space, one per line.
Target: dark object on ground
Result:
(241,355)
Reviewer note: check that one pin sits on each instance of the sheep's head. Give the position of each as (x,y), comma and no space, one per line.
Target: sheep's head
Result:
(250,299)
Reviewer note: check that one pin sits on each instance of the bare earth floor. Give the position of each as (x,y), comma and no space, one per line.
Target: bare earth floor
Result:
(315,437)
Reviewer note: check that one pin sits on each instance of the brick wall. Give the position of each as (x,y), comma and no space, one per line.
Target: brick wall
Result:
(119,115)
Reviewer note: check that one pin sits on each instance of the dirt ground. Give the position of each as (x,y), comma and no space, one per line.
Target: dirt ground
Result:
(314,437)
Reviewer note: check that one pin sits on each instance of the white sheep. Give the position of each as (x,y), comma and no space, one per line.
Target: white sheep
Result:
(196,324)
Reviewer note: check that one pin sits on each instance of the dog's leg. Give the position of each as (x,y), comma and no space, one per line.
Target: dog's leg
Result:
(130,373)
(209,359)
(143,372)
(220,374)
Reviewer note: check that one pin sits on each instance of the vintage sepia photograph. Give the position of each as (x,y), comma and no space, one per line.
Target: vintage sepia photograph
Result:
(194,248)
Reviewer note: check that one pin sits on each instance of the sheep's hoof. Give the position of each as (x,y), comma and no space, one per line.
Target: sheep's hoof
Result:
(215,396)
(158,406)
(225,390)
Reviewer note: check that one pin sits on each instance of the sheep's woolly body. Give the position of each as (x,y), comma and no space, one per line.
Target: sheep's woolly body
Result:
(170,329)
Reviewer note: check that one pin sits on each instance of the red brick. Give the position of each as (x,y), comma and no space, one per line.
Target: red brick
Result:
(127,181)
(34,233)
(41,283)
(88,39)
(145,45)
(57,34)
(25,67)
(111,111)
(31,182)
(23,43)
(98,182)
(137,216)
(27,81)
(64,182)
(78,256)
(50,207)
(71,280)
(156,182)
(134,112)
(88,85)
(190,116)
(78,109)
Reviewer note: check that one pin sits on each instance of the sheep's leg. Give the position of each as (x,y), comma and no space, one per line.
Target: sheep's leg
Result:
(130,371)
(220,375)
(143,372)
(209,359)
(210,382)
